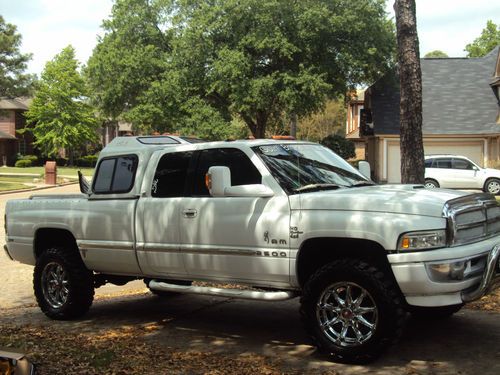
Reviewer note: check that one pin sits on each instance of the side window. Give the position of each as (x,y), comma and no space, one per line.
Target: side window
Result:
(428,163)
(104,175)
(170,176)
(444,163)
(115,175)
(461,164)
(243,172)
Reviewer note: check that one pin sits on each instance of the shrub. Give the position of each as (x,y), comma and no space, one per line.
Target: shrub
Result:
(33,158)
(61,162)
(87,161)
(340,145)
(23,163)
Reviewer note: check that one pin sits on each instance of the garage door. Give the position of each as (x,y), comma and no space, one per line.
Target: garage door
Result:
(471,149)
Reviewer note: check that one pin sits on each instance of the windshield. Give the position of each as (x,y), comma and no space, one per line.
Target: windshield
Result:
(308,167)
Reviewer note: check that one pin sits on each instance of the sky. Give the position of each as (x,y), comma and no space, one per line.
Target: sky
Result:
(47,26)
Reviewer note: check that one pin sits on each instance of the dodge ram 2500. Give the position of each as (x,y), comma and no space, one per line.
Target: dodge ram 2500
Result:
(285,218)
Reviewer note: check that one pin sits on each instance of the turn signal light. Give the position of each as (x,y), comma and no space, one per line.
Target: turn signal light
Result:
(208,181)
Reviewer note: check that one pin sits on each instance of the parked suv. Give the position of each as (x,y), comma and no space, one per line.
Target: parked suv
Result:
(459,172)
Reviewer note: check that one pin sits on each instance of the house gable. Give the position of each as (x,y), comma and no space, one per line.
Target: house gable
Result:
(456,97)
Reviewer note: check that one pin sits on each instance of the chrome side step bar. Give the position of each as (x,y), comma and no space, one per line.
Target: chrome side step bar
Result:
(220,292)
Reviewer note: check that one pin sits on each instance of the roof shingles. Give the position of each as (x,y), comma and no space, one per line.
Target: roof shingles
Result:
(456,97)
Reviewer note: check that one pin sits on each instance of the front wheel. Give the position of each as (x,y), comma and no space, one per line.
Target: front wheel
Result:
(431,184)
(352,311)
(64,287)
(492,186)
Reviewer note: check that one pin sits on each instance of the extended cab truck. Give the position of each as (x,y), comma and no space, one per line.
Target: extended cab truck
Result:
(285,217)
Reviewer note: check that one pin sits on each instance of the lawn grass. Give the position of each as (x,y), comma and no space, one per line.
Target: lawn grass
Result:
(7,186)
(17,179)
(13,182)
(66,171)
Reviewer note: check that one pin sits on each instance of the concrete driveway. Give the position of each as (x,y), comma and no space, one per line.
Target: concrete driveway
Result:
(467,343)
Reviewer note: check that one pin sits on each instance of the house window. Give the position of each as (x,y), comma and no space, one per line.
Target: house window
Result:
(360,107)
(22,147)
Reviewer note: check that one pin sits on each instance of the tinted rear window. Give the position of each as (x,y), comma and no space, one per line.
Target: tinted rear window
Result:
(115,175)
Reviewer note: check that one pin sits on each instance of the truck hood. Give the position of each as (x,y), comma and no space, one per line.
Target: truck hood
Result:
(401,199)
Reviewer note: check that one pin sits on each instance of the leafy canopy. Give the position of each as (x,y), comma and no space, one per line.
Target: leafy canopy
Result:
(436,54)
(489,39)
(13,79)
(330,120)
(59,115)
(174,65)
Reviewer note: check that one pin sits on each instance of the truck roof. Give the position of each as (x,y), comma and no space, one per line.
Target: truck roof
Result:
(149,144)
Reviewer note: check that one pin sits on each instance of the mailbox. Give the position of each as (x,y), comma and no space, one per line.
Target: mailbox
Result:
(50,173)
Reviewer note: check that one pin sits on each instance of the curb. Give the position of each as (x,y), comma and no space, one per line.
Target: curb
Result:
(37,188)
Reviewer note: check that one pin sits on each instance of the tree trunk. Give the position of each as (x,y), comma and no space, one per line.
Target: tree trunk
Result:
(293,125)
(257,127)
(410,77)
(261,122)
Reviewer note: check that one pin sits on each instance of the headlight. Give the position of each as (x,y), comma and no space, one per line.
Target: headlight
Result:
(424,240)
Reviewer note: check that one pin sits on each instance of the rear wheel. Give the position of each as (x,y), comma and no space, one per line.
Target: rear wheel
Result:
(352,311)
(64,287)
(492,186)
(431,184)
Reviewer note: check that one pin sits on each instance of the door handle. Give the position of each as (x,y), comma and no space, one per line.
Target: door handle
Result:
(190,213)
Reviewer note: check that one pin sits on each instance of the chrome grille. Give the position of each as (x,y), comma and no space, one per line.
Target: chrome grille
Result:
(472,218)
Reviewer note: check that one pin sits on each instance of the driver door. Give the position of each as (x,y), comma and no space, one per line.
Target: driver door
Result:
(234,238)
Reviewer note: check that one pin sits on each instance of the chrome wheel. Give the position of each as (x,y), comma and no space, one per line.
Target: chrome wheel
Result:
(493,186)
(55,284)
(347,314)
(429,184)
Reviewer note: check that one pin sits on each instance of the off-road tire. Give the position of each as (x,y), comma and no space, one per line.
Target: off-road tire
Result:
(78,284)
(429,313)
(383,294)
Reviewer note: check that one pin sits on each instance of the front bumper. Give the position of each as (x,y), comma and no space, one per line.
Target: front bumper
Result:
(421,288)
(490,279)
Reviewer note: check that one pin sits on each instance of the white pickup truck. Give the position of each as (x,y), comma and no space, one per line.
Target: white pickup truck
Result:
(285,218)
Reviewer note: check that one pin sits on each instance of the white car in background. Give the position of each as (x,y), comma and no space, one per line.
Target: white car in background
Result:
(459,172)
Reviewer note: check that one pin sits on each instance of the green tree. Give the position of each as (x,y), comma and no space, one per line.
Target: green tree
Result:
(489,39)
(128,64)
(249,59)
(59,116)
(13,79)
(329,120)
(340,145)
(436,54)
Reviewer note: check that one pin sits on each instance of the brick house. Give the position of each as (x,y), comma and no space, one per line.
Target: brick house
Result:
(11,120)
(460,98)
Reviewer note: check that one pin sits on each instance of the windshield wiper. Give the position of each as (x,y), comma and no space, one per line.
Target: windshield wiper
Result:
(316,187)
(363,183)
